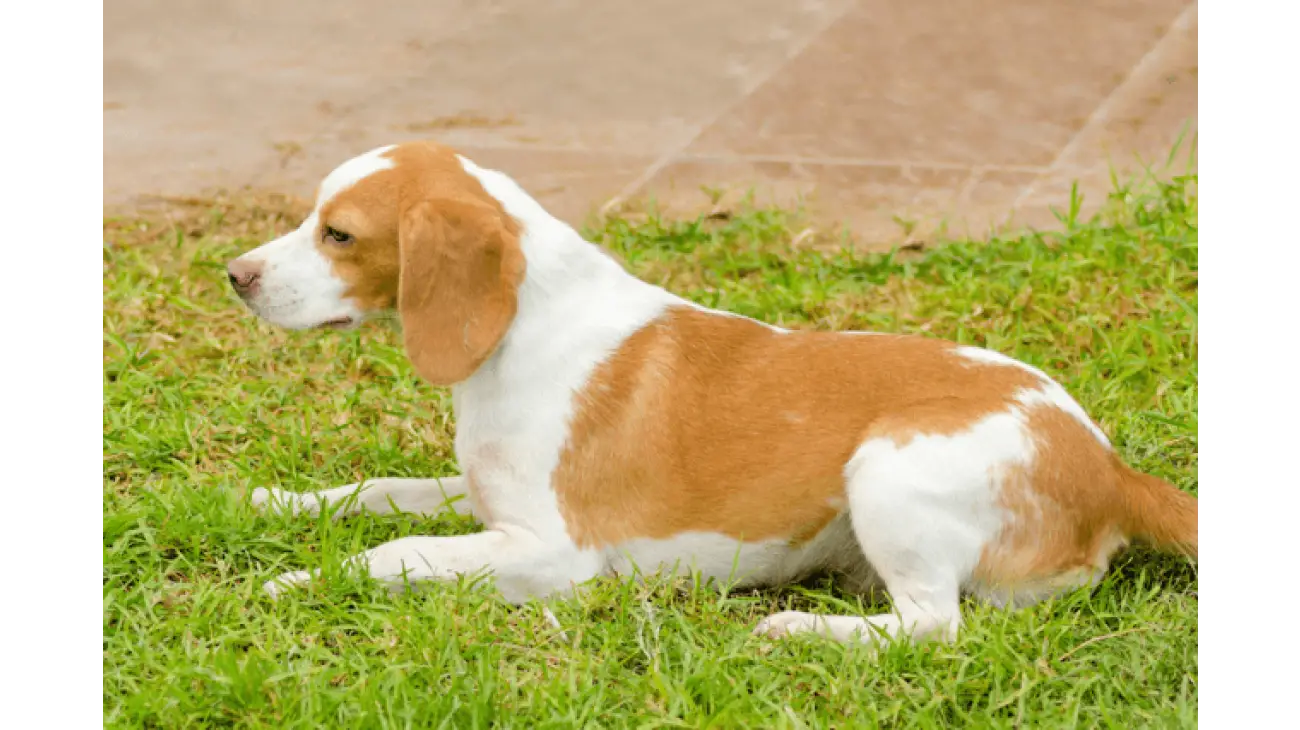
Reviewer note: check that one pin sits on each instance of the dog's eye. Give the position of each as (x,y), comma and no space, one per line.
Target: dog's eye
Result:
(337,236)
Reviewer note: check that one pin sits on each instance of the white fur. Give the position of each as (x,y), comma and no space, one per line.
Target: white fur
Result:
(707,554)
(747,564)
(427,497)
(351,172)
(523,565)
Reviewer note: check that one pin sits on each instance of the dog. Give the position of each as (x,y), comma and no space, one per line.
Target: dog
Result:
(606,427)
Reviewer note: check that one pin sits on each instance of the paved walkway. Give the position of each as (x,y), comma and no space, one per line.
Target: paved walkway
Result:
(952,112)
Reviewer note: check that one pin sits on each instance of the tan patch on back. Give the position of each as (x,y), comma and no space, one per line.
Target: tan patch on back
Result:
(703,422)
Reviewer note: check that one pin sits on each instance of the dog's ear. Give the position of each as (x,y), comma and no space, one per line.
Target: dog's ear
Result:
(457,292)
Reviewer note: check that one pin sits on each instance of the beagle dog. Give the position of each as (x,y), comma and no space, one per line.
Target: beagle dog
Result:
(608,427)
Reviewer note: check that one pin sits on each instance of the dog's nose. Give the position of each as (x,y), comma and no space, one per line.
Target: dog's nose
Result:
(244,276)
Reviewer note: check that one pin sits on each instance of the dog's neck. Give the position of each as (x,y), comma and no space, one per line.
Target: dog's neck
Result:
(576,303)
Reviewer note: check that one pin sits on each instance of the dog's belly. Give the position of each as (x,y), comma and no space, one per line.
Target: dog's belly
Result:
(834,550)
(710,555)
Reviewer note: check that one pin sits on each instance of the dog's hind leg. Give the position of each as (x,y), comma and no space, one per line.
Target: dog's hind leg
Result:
(427,497)
(923,508)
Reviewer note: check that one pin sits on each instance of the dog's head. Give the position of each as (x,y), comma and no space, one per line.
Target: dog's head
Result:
(405,228)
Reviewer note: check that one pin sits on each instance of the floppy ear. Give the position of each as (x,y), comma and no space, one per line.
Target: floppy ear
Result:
(457,292)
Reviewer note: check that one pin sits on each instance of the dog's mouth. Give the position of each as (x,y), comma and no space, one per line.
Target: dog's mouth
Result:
(338,323)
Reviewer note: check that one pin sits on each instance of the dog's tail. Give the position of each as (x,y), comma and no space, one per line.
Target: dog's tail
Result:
(1158,513)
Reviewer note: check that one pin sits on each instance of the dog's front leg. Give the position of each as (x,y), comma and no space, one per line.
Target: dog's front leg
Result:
(426,497)
(522,564)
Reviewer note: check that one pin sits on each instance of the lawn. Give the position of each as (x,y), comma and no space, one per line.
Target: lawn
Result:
(202,400)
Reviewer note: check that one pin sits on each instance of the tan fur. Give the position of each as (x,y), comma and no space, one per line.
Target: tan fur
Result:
(461,270)
(432,243)
(1067,513)
(1159,513)
(702,422)
(1077,505)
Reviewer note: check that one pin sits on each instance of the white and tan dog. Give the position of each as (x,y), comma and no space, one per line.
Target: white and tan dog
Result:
(607,426)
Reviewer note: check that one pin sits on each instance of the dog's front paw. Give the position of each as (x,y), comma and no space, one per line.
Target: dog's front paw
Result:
(269,500)
(788,623)
(277,586)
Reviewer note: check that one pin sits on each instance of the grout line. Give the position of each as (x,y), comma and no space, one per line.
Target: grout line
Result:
(664,160)
(722,159)
(862,163)
(968,188)
(1102,113)
(859,162)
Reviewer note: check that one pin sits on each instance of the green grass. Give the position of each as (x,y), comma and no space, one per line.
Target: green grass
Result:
(200,399)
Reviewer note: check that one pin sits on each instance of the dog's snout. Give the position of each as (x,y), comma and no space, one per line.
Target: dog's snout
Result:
(244,275)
